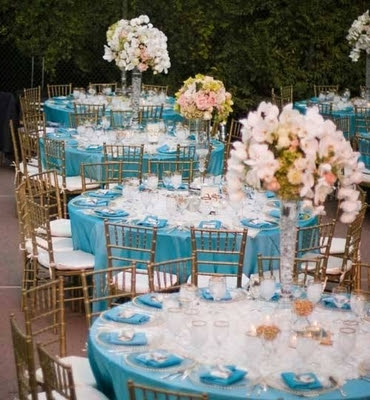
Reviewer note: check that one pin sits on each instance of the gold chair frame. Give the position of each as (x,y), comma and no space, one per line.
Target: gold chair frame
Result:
(317,89)
(59,90)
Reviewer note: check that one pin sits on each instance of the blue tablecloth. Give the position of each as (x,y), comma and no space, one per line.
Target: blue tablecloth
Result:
(88,235)
(301,106)
(112,373)
(60,111)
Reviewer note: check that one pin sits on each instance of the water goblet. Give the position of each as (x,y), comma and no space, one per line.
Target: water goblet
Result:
(167,178)
(357,302)
(176,179)
(267,287)
(314,291)
(220,334)
(152,181)
(199,337)
(306,345)
(146,199)
(217,287)
(347,338)
(174,320)
(182,202)
(340,296)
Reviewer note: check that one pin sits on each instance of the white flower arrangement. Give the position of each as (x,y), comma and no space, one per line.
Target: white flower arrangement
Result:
(136,43)
(359,36)
(299,157)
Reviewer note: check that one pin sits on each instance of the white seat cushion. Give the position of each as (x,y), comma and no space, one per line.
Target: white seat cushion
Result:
(73,183)
(334,266)
(81,370)
(61,227)
(68,260)
(31,169)
(59,244)
(230,281)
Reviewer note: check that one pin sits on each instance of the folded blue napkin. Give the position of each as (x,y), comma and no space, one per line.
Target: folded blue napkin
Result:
(111,213)
(257,224)
(213,224)
(307,381)
(64,131)
(275,212)
(60,98)
(165,148)
(104,194)
(329,302)
(207,295)
(70,105)
(72,142)
(183,186)
(270,194)
(152,221)
(138,339)
(116,314)
(224,378)
(90,202)
(93,147)
(150,300)
(158,359)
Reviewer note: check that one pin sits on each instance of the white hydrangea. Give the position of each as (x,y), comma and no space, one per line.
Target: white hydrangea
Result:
(359,36)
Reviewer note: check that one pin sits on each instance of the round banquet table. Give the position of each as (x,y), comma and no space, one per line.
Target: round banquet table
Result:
(75,155)
(173,240)
(59,111)
(114,364)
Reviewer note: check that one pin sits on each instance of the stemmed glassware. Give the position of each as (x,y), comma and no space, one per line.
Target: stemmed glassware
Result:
(307,343)
(267,287)
(357,302)
(220,334)
(167,178)
(217,287)
(340,296)
(347,338)
(176,179)
(314,291)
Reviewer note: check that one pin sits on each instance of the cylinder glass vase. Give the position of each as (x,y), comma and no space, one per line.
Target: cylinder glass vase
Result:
(135,96)
(288,235)
(200,129)
(123,80)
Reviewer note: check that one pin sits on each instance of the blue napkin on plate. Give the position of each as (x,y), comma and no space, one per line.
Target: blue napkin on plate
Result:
(257,224)
(138,339)
(270,194)
(207,295)
(108,194)
(215,376)
(158,359)
(275,212)
(116,315)
(150,300)
(90,202)
(213,224)
(165,148)
(111,213)
(152,221)
(329,302)
(297,382)
(93,147)
(183,186)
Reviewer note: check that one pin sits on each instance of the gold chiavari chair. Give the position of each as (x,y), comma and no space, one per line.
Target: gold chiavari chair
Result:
(66,262)
(362,120)
(343,124)
(103,88)
(24,362)
(78,119)
(127,244)
(55,159)
(361,143)
(168,276)
(284,97)
(303,269)
(130,155)
(313,242)
(32,99)
(339,267)
(44,315)
(218,252)
(142,392)
(326,89)
(150,113)
(185,167)
(120,118)
(106,288)
(59,90)
(102,175)
(60,378)
(82,108)
(362,277)
(326,110)
(30,151)
(17,158)
(233,134)
(158,89)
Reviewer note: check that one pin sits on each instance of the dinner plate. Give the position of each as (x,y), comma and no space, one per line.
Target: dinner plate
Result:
(132,362)
(278,383)
(194,377)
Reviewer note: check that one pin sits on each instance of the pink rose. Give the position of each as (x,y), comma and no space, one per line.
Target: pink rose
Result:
(330,178)
(202,101)
(273,185)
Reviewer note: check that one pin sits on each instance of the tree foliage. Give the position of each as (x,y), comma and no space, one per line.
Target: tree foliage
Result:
(250,45)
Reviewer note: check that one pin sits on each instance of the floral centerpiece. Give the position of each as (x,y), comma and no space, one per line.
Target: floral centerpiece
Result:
(299,157)
(359,39)
(203,97)
(359,36)
(136,43)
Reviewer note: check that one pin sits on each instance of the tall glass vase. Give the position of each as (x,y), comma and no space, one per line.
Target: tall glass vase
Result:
(288,235)
(200,129)
(123,80)
(368,77)
(135,96)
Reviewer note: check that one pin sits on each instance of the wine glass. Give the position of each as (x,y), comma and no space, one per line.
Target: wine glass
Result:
(267,287)
(152,181)
(199,336)
(167,178)
(176,179)
(182,202)
(314,291)
(340,296)
(146,199)
(307,343)
(174,320)
(220,335)
(217,287)
(357,302)
(347,338)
